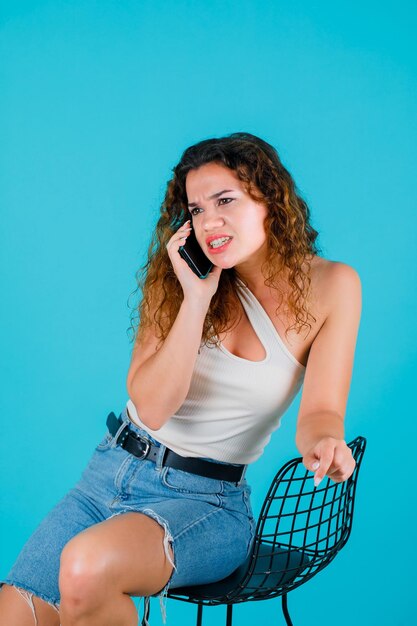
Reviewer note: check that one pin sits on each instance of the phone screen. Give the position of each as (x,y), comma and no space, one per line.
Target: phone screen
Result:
(192,253)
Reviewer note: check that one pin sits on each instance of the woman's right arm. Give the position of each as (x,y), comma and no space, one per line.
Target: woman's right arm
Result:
(158,384)
(158,381)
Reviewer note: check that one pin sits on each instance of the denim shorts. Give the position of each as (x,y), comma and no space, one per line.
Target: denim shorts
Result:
(208,522)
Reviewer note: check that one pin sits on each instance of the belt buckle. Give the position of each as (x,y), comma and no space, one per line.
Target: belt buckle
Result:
(148,447)
(143,440)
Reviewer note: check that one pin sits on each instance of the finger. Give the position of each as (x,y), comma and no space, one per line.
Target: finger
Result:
(325,459)
(184,231)
(180,233)
(178,239)
(340,460)
(311,461)
(342,457)
(185,226)
(343,471)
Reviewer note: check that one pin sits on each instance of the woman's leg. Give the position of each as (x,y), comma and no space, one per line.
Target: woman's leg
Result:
(100,567)
(105,563)
(17,608)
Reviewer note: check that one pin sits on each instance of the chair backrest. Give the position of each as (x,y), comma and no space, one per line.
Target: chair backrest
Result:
(300,528)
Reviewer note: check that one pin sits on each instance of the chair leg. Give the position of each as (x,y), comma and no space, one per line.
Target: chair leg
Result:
(285,610)
(229,615)
(199,615)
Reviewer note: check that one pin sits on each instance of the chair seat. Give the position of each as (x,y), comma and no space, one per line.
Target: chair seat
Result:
(275,566)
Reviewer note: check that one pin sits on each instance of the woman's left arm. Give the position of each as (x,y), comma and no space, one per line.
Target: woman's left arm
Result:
(320,429)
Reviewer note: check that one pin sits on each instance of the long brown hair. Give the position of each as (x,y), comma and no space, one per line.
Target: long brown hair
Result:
(290,239)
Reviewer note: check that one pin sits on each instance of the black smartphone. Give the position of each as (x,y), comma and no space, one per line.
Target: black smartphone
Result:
(192,253)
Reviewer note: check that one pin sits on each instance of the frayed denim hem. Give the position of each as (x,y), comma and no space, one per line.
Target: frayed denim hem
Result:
(27,594)
(168,539)
(168,542)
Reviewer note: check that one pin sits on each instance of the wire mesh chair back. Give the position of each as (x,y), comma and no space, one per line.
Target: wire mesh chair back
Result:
(300,530)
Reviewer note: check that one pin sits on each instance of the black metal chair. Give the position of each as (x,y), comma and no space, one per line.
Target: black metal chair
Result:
(299,532)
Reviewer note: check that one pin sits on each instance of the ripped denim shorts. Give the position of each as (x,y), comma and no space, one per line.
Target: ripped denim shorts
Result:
(208,523)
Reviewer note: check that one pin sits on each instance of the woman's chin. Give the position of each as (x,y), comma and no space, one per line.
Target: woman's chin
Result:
(224,264)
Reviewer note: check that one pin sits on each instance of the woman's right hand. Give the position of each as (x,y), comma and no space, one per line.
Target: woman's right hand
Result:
(196,289)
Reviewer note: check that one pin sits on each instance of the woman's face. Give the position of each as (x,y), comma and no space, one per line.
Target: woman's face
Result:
(228,223)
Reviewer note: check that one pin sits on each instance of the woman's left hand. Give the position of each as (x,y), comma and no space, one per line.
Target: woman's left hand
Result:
(330,457)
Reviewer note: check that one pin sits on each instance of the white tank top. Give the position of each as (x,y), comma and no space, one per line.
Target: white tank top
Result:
(233,405)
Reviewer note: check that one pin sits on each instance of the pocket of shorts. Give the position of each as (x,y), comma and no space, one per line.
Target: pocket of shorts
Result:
(185,482)
(106,442)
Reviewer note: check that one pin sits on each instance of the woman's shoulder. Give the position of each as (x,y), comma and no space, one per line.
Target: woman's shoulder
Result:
(333,271)
(333,282)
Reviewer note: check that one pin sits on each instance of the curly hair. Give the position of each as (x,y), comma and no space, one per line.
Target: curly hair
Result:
(290,240)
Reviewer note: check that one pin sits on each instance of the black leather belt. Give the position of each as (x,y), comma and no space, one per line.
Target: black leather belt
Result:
(145,449)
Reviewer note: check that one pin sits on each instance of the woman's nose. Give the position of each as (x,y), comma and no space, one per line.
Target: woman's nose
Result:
(212,221)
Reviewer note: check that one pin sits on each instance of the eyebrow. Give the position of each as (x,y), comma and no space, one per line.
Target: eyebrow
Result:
(215,195)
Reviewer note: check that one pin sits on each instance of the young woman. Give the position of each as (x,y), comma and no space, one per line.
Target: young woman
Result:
(216,362)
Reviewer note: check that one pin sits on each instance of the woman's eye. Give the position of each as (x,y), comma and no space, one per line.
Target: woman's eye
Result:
(196,210)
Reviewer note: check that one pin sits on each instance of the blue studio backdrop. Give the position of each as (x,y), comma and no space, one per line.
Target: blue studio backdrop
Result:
(98,101)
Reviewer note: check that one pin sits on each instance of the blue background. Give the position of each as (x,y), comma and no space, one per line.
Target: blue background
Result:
(98,100)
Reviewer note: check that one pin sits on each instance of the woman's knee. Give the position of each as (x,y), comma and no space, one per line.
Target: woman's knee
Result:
(124,555)
(82,575)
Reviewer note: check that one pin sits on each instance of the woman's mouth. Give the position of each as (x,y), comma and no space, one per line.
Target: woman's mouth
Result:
(216,246)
